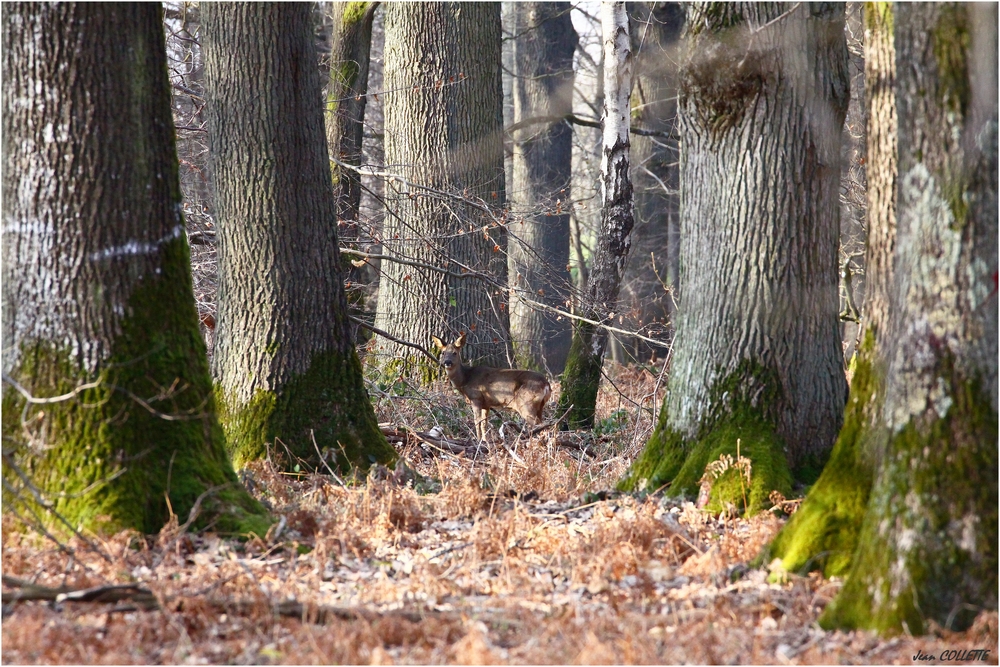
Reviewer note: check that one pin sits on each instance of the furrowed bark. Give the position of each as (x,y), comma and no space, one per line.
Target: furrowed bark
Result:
(927,549)
(823,533)
(443,130)
(284,361)
(97,283)
(757,355)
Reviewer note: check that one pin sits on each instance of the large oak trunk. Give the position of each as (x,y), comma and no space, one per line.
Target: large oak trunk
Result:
(97,282)
(757,358)
(823,533)
(444,214)
(927,548)
(284,359)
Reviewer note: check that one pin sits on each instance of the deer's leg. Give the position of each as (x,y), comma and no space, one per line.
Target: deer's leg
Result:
(482,414)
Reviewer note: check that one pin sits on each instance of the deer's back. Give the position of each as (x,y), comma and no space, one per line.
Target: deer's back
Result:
(500,386)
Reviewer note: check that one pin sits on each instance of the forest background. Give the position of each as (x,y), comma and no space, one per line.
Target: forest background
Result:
(650,183)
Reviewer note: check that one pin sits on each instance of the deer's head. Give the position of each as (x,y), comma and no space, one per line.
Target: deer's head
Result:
(451,355)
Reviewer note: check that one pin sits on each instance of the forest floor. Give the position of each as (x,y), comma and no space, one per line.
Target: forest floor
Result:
(514,555)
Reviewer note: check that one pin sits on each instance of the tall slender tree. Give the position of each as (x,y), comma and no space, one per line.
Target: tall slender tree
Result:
(107,403)
(649,286)
(443,140)
(757,360)
(346,99)
(582,377)
(284,362)
(544,44)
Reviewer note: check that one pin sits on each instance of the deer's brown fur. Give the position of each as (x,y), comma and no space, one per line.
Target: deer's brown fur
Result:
(523,391)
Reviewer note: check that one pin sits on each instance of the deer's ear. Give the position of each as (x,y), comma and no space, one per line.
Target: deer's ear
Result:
(460,341)
(437,341)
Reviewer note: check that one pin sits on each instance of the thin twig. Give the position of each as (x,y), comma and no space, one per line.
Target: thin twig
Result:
(53,399)
(323,459)
(375,330)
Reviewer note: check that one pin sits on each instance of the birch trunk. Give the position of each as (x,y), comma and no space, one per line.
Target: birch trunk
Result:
(582,377)
(649,287)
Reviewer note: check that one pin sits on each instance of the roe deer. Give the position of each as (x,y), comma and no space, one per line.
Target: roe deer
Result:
(486,388)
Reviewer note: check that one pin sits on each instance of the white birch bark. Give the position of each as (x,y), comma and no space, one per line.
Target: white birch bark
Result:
(583,369)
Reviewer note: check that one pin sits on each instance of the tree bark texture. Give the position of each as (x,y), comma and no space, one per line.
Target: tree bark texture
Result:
(544,44)
(284,363)
(649,287)
(582,377)
(97,281)
(444,139)
(347,96)
(346,100)
(757,356)
(823,533)
(928,544)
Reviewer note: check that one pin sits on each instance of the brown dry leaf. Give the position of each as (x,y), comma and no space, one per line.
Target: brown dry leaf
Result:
(502,564)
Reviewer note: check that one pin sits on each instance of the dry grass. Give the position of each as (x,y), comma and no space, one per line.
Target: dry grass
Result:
(504,563)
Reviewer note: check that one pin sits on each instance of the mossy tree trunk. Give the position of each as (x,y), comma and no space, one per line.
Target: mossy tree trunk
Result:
(444,137)
(823,533)
(544,44)
(582,376)
(757,356)
(97,282)
(927,549)
(284,363)
(649,286)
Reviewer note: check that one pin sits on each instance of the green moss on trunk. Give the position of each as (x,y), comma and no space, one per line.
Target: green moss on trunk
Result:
(354,12)
(103,460)
(951,40)
(823,533)
(388,373)
(581,379)
(328,402)
(670,458)
(928,545)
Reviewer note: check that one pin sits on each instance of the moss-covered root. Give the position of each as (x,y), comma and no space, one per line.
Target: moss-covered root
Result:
(928,545)
(823,533)
(658,461)
(713,462)
(327,403)
(107,458)
(581,379)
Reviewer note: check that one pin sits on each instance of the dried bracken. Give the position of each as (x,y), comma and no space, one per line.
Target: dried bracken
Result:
(495,562)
